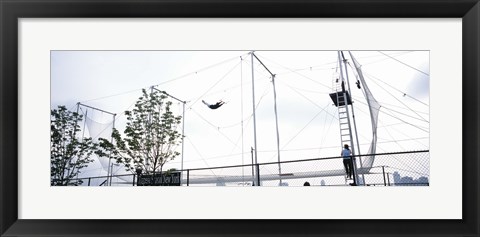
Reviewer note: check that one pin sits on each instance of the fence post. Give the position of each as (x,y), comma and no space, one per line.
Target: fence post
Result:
(134,177)
(89,181)
(384,179)
(188,177)
(258,174)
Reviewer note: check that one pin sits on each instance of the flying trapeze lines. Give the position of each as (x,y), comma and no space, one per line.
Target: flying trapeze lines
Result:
(403,122)
(218,127)
(302,129)
(167,81)
(216,83)
(384,59)
(392,96)
(401,148)
(416,69)
(319,67)
(201,156)
(361,102)
(201,70)
(404,93)
(197,98)
(221,79)
(306,77)
(401,102)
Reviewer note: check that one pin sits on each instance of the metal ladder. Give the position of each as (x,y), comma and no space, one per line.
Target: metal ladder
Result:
(343,116)
(344,119)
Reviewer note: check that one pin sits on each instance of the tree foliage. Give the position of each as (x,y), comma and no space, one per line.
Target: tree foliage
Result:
(68,154)
(150,137)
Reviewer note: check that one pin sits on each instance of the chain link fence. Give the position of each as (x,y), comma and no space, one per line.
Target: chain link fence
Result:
(388,169)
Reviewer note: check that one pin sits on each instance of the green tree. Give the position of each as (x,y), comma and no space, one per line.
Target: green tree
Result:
(150,136)
(68,154)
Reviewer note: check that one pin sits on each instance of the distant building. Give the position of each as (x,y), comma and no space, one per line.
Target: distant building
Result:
(407,180)
(396,177)
(422,179)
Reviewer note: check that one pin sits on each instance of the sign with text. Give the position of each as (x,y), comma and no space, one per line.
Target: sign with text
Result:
(164,179)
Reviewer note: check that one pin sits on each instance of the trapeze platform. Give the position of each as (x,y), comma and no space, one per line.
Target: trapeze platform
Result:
(334,97)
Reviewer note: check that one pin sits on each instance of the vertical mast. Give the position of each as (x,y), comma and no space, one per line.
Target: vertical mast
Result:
(276,117)
(254,117)
(343,97)
(241,117)
(354,121)
(110,154)
(183,138)
(276,125)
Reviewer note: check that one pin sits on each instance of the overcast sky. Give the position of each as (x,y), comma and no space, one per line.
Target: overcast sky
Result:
(308,120)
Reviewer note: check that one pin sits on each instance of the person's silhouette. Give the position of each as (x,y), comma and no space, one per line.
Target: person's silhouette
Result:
(214,106)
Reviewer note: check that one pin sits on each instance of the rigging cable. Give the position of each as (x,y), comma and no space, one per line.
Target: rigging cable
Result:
(171,80)
(403,93)
(296,72)
(391,95)
(200,70)
(396,142)
(216,83)
(381,60)
(218,128)
(361,102)
(301,130)
(416,69)
(198,153)
(395,117)
(401,102)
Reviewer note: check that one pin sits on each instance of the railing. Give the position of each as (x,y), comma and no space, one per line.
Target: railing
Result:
(389,169)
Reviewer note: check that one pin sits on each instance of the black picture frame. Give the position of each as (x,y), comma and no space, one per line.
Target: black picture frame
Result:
(12,10)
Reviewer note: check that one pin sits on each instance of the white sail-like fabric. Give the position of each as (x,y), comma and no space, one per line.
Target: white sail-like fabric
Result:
(104,130)
(374,107)
(99,130)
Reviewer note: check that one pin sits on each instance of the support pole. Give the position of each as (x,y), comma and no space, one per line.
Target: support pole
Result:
(354,125)
(110,155)
(254,109)
(84,124)
(258,174)
(183,139)
(78,108)
(276,126)
(384,178)
(241,120)
(344,91)
(276,117)
(183,122)
(253,169)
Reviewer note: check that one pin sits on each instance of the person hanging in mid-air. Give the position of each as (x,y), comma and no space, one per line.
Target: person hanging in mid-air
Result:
(214,106)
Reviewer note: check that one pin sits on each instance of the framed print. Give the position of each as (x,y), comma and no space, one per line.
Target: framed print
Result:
(187,73)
